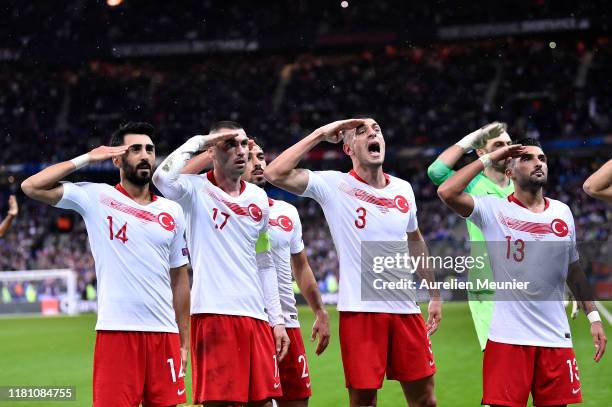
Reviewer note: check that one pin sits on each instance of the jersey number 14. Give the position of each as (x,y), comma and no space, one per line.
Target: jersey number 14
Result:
(121,233)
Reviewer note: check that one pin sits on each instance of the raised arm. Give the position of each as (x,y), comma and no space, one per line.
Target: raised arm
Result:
(199,163)
(441,168)
(581,289)
(451,192)
(307,283)
(166,177)
(282,172)
(44,186)
(599,185)
(179,281)
(5,225)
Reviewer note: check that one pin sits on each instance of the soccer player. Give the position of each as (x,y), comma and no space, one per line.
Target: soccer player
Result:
(235,355)
(289,255)
(365,204)
(137,241)
(491,181)
(11,214)
(533,238)
(599,185)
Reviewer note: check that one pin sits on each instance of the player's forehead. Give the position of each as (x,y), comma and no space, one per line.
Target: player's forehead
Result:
(241,136)
(369,122)
(256,150)
(534,150)
(142,139)
(503,138)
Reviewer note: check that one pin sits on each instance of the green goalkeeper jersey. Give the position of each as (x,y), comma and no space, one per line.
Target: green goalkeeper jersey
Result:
(481,185)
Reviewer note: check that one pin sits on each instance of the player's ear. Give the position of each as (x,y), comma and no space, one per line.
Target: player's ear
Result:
(117,162)
(346,148)
(480,152)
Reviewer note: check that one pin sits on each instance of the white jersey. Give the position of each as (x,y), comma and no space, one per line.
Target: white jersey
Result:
(222,232)
(285,230)
(357,212)
(528,247)
(134,247)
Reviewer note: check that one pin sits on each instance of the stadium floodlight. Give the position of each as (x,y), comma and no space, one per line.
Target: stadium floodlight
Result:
(47,292)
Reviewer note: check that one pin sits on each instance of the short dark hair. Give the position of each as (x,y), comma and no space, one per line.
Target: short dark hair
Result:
(117,138)
(225,124)
(528,141)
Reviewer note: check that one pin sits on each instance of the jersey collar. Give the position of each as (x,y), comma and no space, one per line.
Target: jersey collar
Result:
(211,177)
(120,188)
(512,198)
(354,174)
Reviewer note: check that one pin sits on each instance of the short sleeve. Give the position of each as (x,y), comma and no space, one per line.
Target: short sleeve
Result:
(413,223)
(483,213)
(318,187)
(178,250)
(297,243)
(573,252)
(183,188)
(76,197)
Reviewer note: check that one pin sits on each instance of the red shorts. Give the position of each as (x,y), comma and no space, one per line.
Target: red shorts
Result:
(137,367)
(233,358)
(373,344)
(510,372)
(294,375)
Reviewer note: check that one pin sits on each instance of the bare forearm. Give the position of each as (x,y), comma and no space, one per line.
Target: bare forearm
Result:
(599,184)
(310,289)
(198,163)
(580,288)
(282,171)
(5,225)
(418,248)
(456,184)
(48,178)
(181,302)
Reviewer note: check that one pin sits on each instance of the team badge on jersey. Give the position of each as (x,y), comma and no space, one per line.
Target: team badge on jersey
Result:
(283,222)
(252,210)
(558,227)
(166,221)
(384,204)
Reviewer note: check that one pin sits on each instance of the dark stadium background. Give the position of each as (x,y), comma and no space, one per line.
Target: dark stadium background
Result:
(428,71)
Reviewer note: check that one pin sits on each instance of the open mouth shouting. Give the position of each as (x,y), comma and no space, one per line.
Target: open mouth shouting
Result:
(374,149)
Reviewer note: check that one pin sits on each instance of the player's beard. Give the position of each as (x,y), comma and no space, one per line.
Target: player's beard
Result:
(533,183)
(132,175)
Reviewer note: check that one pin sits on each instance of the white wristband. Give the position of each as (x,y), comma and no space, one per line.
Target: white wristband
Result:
(593,316)
(81,161)
(486,160)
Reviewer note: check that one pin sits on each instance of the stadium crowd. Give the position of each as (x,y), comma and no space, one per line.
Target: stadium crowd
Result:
(423,96)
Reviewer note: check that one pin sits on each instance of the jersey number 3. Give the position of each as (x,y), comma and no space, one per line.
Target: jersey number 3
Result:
(360,222)
(121,233)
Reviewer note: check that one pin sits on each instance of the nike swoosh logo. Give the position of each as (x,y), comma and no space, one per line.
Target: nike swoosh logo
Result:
(308,385)
(276,385)
(576,391)
(431,363)
(180,392)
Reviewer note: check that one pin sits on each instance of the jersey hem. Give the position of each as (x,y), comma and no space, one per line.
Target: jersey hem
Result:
(262,317)
(136,328)
(531,343)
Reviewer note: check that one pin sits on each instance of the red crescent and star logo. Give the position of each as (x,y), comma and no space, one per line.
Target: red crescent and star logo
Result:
(166,221)
(559,227)
(401,204)
(255,212)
